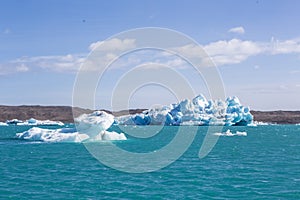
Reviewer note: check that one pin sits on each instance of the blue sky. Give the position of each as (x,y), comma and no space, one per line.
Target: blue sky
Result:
(255,43)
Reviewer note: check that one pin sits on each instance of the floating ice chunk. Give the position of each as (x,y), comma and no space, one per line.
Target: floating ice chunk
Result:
(257,123)
(3,124)
(230,134)
(227,133)
(35,122)
(107,135)
(241,133)
(52,135)
(32,121)
(13,121)
(65,135)
(94,123)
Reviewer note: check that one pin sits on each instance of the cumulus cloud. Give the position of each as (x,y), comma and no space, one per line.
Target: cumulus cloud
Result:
(233,51)
(238,30)
(223,52)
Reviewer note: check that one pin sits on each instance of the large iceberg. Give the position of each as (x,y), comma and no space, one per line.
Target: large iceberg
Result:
(198,111)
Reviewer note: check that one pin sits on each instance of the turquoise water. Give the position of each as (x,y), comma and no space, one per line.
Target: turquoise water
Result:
(263,165)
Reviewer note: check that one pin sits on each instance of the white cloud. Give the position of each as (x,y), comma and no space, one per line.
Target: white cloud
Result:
(22,68)
(113,44)
(65,63)
(232,51)
(238,30)
(69,62)
(72,62)
(235,51)
(10,68)
(285,47)
(222,52)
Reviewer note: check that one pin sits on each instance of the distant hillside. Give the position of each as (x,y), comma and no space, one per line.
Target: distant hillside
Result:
(279,117)
(64,114)
(56,113)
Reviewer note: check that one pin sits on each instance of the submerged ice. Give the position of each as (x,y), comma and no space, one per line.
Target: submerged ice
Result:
(198,111)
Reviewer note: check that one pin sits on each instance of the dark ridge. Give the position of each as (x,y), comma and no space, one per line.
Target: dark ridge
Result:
(279,117)
(55,113)
(65,114)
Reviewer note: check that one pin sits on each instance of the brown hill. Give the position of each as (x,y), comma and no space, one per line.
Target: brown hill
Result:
(279,117)
(56,113)
(64,114)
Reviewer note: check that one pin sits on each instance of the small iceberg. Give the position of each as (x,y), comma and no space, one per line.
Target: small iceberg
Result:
(89,127)
(52,135)
(230,134)
(14,121)
(34,122)
(3,124)
(258,123)
(65,135)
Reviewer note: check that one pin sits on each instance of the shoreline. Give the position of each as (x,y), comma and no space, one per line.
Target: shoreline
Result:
(65,115)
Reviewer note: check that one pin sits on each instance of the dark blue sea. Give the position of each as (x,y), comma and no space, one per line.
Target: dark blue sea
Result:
(265,164)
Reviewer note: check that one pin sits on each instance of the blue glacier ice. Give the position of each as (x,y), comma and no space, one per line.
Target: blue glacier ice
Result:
(198,111)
